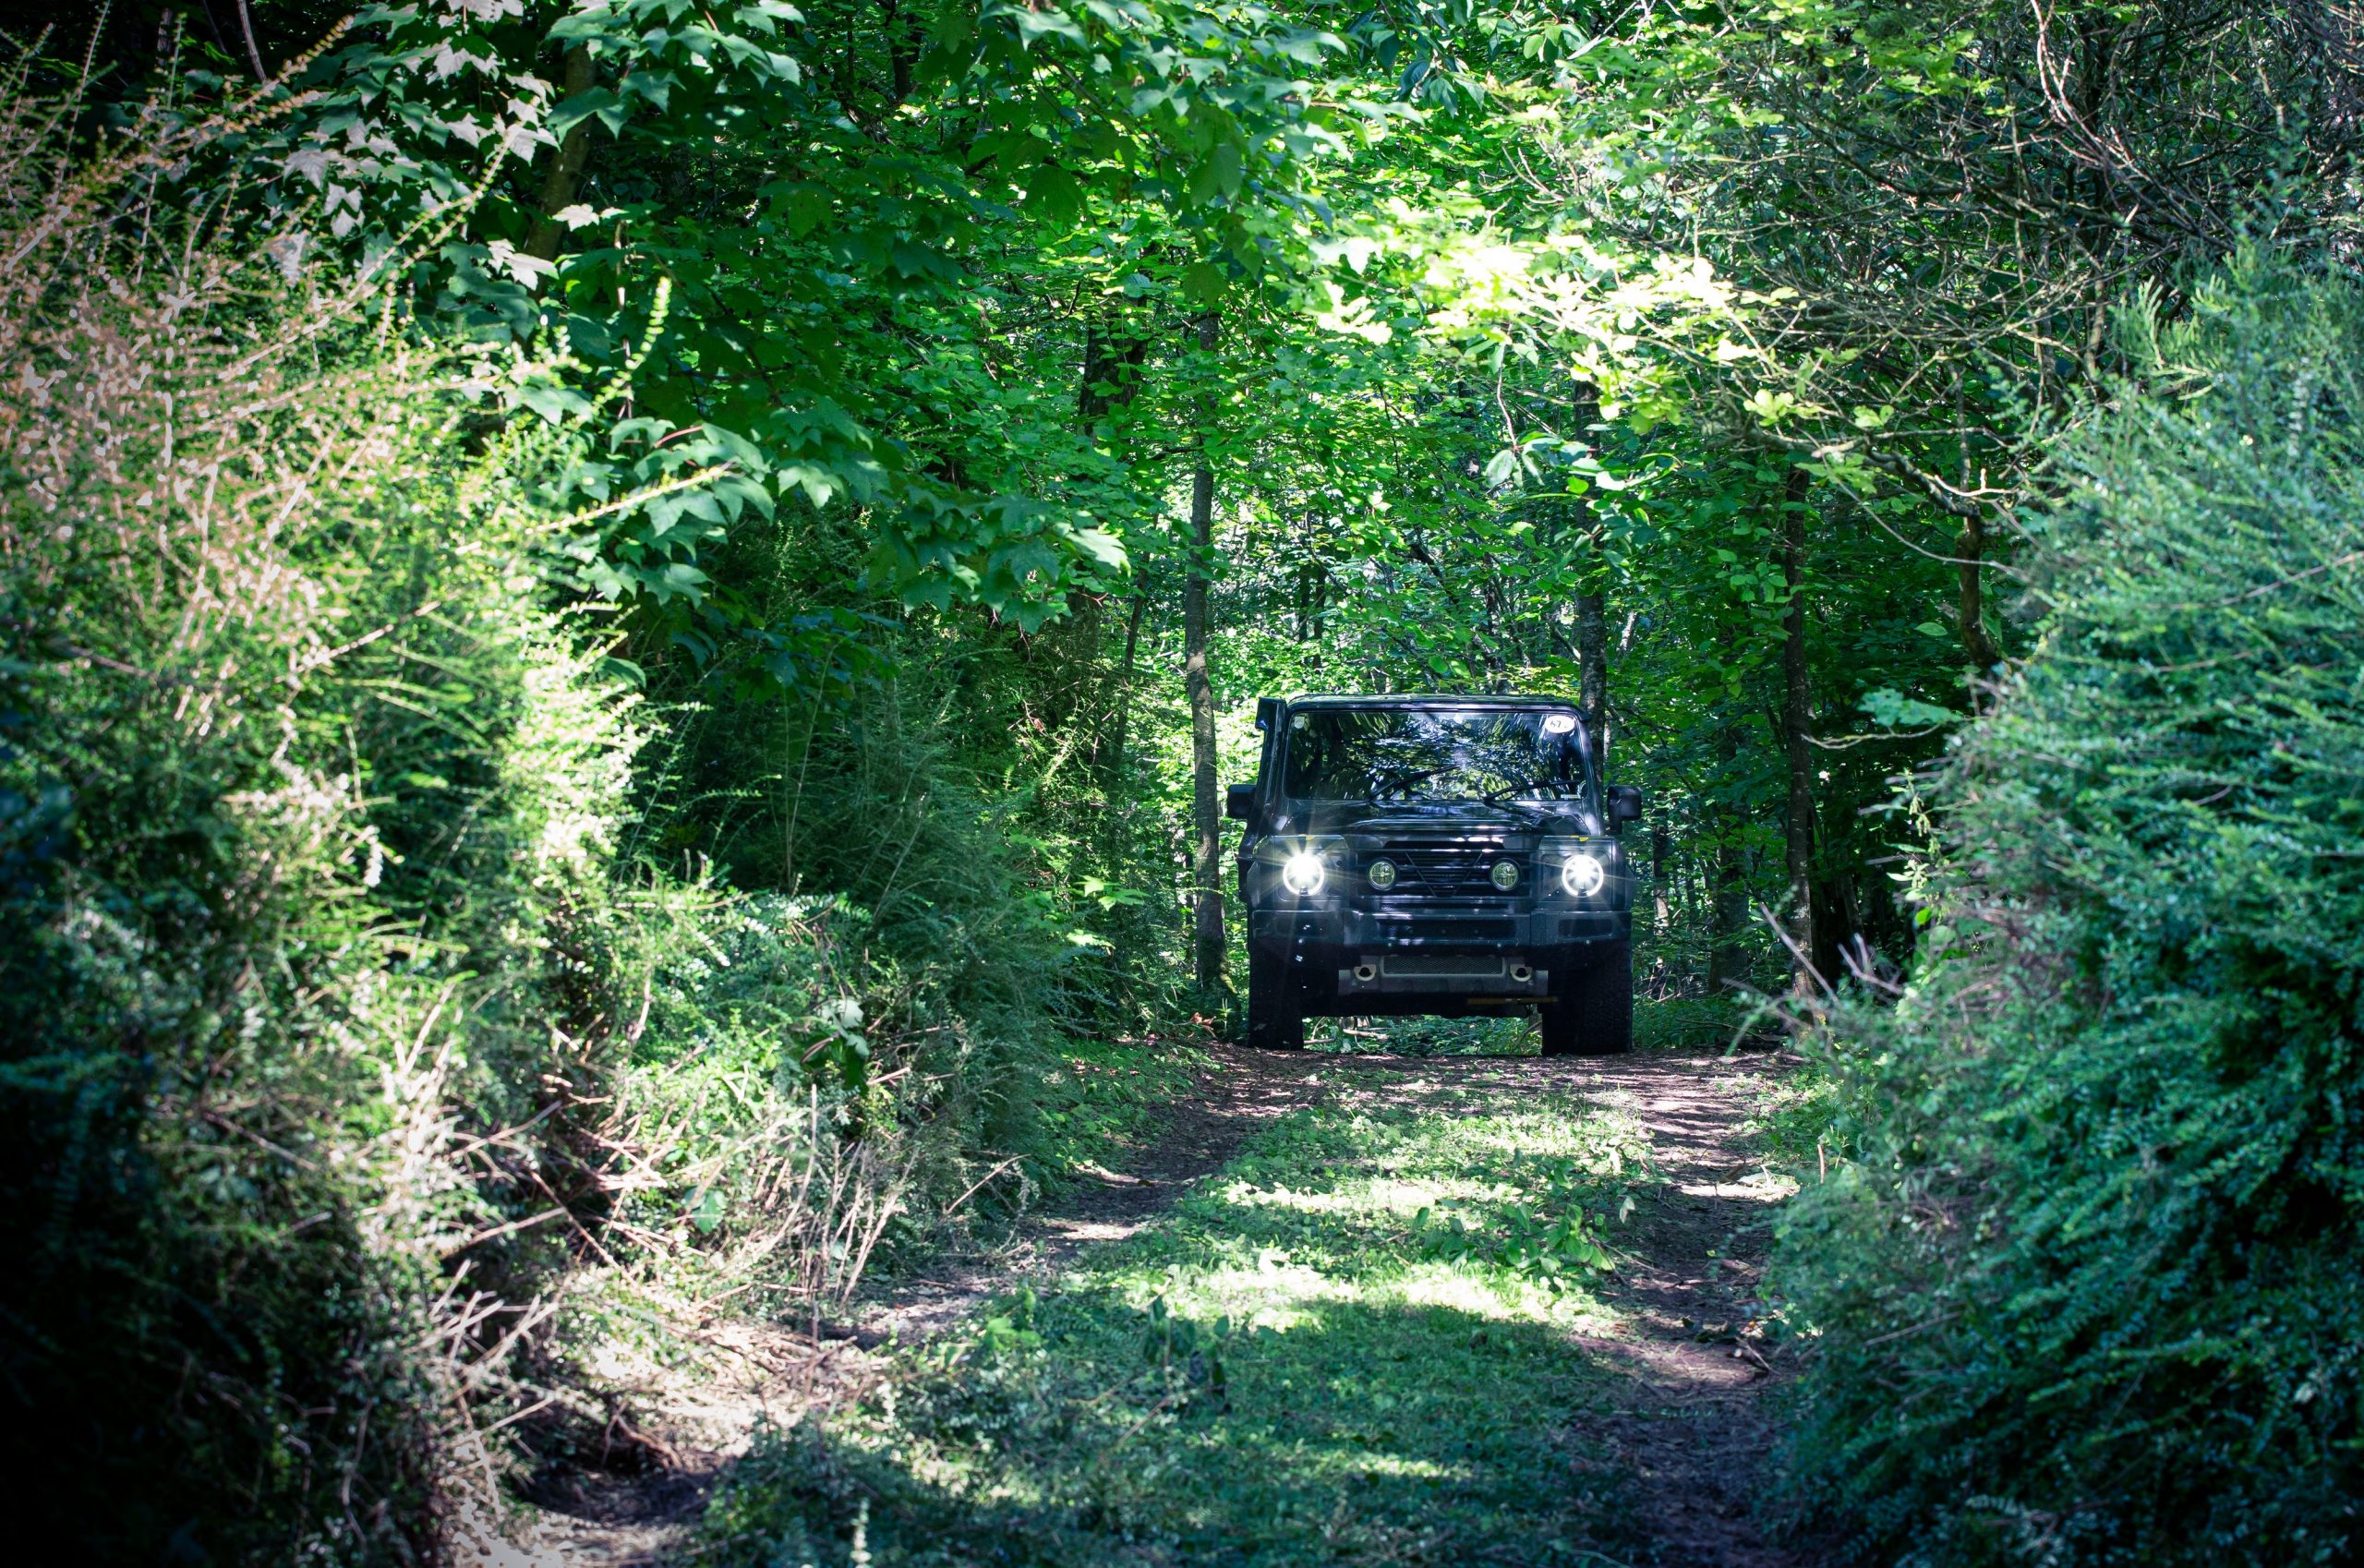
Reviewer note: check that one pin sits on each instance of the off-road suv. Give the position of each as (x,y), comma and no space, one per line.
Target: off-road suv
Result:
(1445,855)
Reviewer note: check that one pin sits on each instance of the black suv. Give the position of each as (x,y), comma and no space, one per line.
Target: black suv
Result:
(1437,854)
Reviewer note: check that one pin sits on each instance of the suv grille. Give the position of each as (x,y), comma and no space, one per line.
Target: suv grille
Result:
(1454,871)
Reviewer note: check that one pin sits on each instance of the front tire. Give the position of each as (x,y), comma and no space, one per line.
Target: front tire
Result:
(1274,1022)
(1597,1017)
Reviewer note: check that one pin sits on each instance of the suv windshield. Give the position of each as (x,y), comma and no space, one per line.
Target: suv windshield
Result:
(1417,754)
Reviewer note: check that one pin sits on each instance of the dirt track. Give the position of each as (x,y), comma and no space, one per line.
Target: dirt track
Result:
(1689,1436)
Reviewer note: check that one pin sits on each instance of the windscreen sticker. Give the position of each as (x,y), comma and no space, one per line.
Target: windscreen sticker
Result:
(1559,723)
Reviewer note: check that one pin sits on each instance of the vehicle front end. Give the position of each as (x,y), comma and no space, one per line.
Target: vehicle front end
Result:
(1443,856)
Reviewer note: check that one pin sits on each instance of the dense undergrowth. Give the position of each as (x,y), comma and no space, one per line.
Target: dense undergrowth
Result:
(374,1030)
(2086,1289)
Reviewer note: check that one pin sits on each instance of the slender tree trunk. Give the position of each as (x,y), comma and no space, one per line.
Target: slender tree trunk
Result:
(1592,665)
(246,28)
(1592,618)
(1658,912)
(1834,924)
(1112,360)
(901,55)
(1797,716)
(1206,862)
(1969,548)
(1091,402)
(565,176)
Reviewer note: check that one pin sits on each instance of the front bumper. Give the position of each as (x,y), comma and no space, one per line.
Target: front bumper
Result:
(1415,972)
(1419,957)
(1410,927)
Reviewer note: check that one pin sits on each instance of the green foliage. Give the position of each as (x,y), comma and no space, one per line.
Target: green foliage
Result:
(356,986)
(1537,1247)
(305,805)
(831,191)
(2083,1290)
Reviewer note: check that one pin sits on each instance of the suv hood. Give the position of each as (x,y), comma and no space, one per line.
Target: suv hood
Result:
(1441,820)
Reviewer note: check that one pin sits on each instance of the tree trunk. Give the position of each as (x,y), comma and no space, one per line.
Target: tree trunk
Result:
(565,175)
(1592,665)
(246,27)
(1658,912)
(1969,547)
(1834,924)
(1206,862)
(1592,617)
(1797,716)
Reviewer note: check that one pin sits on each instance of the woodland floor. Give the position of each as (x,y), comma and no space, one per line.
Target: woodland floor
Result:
(1386,1399)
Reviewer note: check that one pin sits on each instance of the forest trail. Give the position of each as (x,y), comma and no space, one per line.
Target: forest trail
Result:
(1618,1416)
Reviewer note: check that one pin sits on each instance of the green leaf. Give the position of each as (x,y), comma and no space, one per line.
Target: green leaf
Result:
(600,101)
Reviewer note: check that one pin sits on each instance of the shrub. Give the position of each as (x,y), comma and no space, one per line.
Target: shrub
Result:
(306,802)
(2087,1290)
(359,983)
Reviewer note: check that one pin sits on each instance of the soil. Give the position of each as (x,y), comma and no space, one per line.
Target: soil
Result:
(1691,1437)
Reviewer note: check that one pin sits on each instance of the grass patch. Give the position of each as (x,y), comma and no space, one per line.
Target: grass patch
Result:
(1353,1344)
(1101,1094)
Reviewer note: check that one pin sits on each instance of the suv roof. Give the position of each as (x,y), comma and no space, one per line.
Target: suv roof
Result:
(1427,699)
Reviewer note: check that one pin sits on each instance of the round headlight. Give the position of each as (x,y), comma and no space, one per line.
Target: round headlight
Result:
(1302,873)
(1382,875)
(1505,875)
(1583,874)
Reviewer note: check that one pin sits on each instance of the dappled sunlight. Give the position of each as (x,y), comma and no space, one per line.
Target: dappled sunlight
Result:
(1400,1198)
(1758,1187)
(1438,1285)
(1279,1296)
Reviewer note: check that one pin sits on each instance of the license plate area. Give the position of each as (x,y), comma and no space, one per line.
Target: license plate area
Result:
(1441,966)
(1464,977)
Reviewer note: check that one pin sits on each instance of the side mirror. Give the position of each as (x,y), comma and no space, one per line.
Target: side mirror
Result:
(1624,803)
(1239,802)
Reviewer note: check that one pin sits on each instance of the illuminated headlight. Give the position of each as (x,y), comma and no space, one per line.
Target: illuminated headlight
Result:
(1583,874)
(1505,875)
(1301,866)
(1302,874)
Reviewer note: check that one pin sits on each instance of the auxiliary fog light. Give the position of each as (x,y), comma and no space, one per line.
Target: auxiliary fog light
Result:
(1382,875)
(1583,874)
(1302,875)
(1505,875)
